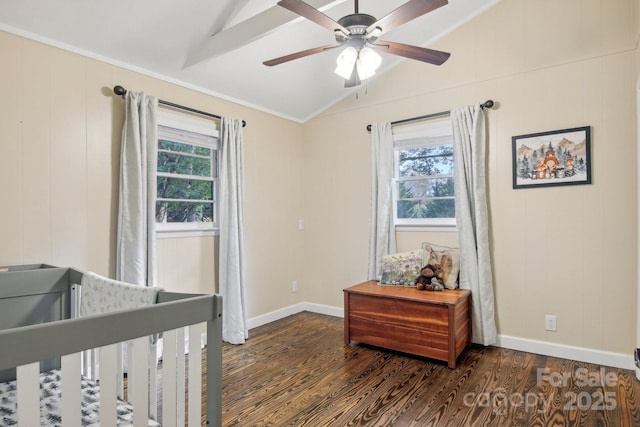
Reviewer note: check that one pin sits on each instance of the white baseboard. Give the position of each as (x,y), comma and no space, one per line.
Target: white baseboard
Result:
(254,322)
(581,354)
(324,309)
(263,319)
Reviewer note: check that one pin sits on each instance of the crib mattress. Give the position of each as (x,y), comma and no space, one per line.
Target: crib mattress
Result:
(50,411)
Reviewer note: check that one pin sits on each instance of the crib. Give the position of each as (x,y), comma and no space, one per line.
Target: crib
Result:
(48,356)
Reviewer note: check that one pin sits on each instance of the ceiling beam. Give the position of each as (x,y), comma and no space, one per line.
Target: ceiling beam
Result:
(249,30)
(229,12)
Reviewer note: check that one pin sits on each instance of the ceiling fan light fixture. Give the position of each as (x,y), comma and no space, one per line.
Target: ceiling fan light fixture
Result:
(358,31)
(368,62)
(345,62)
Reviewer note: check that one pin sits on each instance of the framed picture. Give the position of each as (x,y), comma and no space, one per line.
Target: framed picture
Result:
(557,157)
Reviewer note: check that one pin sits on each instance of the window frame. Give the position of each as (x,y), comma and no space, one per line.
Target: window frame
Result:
(207,137)
(429,134)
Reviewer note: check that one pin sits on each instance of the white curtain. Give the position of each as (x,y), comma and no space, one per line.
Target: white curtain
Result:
(472,219)
(135,252)
(382,236)
(231,275)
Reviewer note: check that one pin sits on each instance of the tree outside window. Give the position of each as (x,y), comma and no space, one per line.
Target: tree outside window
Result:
(186,178)
(424,190)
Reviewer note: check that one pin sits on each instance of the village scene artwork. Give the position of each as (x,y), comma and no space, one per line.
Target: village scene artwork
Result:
(552,158)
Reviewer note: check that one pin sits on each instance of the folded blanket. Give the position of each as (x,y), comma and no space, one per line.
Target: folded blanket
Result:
(103,295)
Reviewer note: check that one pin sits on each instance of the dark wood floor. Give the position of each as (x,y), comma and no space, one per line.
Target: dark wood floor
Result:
(298,372)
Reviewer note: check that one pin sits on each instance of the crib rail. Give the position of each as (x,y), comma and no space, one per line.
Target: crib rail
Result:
(24,347)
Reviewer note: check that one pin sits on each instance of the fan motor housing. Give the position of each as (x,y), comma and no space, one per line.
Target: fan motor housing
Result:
(360,29)
(357,23)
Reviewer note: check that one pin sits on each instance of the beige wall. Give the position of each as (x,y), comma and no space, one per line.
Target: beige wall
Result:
(569,251)
(59,158)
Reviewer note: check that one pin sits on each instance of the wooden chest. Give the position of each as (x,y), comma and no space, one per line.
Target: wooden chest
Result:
(430,324)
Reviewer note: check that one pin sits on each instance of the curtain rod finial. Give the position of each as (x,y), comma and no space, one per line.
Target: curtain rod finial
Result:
(119,90)
(488,104)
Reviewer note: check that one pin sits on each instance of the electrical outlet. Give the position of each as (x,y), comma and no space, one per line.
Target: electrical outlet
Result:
(294,286)
(301,224)
(550,323)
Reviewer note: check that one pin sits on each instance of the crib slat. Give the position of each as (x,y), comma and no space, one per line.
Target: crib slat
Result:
(28,393)
(120,351)
(153,381)
(89,364)
(180,392)
(138,378)
(169,379)
(76,295)
(108,384)
(195,376)
(86,363)
(71,401)
(129,365)
(93,364)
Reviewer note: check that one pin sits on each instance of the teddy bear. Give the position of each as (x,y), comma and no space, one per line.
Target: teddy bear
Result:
(430,278)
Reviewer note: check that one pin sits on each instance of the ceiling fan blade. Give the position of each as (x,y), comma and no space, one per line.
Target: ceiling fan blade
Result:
(435,57)
(405,13)
(297,55)
(314,15)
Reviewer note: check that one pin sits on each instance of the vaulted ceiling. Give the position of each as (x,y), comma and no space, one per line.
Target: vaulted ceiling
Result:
(218,46)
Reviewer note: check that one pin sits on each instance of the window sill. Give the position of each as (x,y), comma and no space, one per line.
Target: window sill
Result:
(426,228)
(177,234)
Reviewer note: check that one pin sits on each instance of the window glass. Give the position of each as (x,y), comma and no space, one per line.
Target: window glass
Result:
(436,160)
(424,187)
(186,180)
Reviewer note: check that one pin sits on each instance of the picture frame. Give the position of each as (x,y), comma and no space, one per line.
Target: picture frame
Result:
(552,158)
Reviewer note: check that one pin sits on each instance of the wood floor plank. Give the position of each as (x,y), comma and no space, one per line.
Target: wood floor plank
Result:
(298,372)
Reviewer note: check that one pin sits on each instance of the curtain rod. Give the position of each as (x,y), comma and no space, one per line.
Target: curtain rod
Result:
(119,90)
(487,104)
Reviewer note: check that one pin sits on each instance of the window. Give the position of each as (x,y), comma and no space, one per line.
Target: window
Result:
(187,174)
(423,188)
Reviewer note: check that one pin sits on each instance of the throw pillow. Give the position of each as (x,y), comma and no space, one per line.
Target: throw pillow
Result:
(449,260)
(402,268)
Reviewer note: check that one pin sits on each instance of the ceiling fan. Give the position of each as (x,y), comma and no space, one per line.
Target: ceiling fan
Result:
(360,33)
